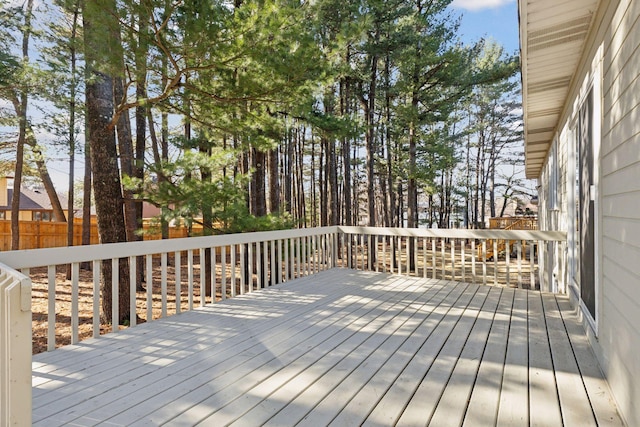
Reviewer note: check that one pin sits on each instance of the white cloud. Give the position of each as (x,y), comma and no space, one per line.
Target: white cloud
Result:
(476,5)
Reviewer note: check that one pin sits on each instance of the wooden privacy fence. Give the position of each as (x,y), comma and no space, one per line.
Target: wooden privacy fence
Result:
(44,234)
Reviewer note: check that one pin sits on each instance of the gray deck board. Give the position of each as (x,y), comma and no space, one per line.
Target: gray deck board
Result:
(340,347)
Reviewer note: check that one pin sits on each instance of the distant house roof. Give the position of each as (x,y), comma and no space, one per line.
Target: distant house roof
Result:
(32,200)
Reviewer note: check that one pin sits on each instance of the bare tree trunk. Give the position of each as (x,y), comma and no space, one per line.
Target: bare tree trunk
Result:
(107,186)
(288,172)
(274,182)
(346,151)
(125,148)
(258,183)
(22,134)
(86,195)
(71,129)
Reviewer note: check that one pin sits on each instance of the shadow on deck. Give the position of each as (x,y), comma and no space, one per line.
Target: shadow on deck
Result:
(342,347)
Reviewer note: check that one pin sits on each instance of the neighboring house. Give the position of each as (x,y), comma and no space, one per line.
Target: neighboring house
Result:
(581,97)
(34,204)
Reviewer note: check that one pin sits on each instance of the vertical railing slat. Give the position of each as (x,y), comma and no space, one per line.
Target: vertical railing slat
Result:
(416,244)
(133,282)
(507,258)
(519,248)
(214,264)
(286,246)
(442,251)
(190,278)
(325,251)
(250,267)
(177,286)
(163,283)
(75,273)
(303,257)
(244,268)
(259,265)
(463,258)
(234,249)
(265,263)
(531,267)
(279,269)
(334,250)
(376,240)
(400,254)
(298,257)
(495,262)
(408,255)
(433,258)
(392,253)
(115,295)
(274,275)
(369,253)
(223,272)
(473,260)
(384,254)
(96,298)
(51,309)
(424,257)
(453,259)
(203,277)
(484,262)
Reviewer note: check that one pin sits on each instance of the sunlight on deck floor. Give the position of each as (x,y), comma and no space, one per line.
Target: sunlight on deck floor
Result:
(340,347)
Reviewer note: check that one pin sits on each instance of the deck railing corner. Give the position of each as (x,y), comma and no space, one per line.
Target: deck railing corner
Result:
(15,353)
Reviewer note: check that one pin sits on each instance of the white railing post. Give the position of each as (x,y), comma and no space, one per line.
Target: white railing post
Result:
(15,340)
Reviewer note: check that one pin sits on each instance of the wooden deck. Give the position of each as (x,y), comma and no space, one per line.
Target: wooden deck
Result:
(340,347)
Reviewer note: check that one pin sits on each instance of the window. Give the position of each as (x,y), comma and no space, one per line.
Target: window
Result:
(552,196)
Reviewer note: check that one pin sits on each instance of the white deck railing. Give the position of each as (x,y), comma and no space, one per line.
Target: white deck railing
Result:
(15,348)
(243,263)
(522,258)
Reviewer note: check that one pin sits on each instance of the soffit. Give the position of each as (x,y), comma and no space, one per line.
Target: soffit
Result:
(552,38)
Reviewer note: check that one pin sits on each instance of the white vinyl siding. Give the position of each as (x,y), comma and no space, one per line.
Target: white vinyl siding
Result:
(618,205)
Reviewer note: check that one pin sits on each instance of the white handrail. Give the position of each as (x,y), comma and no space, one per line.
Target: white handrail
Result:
(31,258)
(15,349)
(457,233)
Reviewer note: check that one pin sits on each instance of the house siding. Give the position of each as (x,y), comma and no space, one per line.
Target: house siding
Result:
(616,340)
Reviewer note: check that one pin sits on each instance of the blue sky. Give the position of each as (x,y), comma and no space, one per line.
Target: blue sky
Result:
(497,19)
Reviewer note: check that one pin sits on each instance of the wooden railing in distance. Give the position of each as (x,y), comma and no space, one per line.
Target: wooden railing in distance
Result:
(508,223)
(457,254)
(15,348)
